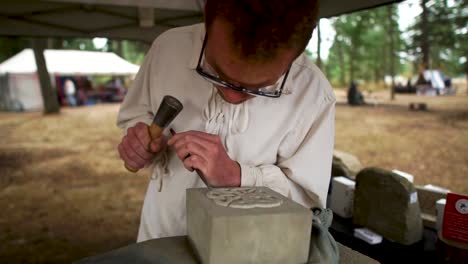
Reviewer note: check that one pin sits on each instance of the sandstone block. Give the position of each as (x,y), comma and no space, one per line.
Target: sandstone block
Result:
(342,196)
(387,204)
(345,164)
(221,234)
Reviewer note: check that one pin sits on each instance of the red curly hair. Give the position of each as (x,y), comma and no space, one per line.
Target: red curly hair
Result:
(261,28)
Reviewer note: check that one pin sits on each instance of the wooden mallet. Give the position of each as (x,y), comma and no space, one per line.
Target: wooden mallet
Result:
(170,107)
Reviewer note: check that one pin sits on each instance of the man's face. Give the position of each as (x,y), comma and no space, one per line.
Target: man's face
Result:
(236,70)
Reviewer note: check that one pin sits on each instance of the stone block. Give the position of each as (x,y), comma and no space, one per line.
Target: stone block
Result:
(428,196)
(345,164)
(221,234)
(440,207)
(342,196)
(387,204)
(350,256)
(403,174)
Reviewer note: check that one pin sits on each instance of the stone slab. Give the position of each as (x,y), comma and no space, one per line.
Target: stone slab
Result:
(226,235)
(166,250)
(440,207)
(428,196)
(387,204)
(349,256)
(345,164)
(177,250)
(405,175)
(342,196)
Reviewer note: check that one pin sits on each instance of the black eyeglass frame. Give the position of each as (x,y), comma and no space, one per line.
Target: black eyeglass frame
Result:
(234,87)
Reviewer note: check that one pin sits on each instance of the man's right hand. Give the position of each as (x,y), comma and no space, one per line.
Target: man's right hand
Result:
(137,149)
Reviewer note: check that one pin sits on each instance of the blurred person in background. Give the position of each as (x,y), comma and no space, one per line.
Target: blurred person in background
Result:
(70,91)
(355,96)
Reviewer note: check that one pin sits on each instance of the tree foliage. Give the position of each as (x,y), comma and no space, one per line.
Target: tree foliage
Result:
(10,46)
(362,49)
(447,41)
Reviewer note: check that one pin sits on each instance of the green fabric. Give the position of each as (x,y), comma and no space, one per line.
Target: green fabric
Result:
(323,247)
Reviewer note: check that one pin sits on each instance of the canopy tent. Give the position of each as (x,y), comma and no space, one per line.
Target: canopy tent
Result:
(19,84)
(70,62)
(122,19)
(141,20)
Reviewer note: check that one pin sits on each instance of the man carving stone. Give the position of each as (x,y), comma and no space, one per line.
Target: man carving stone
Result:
(257,111)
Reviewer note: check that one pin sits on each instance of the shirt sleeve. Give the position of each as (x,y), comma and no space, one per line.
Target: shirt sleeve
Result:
(136,106)
(305,174)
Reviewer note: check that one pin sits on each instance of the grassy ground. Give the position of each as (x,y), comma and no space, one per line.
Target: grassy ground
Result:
(432,145)
(65,195)
(63,191)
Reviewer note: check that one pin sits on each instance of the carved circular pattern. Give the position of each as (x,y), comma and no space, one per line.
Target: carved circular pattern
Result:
(243,198)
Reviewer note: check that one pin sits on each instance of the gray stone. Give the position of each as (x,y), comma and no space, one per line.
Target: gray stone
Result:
(177,250)
(349,256)
(168,250)
(345,164)
(387,204)
(226,235)
(428,198)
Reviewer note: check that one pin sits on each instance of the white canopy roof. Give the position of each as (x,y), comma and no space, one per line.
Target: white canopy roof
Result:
(69,62)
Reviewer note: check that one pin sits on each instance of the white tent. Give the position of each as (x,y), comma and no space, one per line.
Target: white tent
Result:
(433,83)
(435,78)
(70,62)
(19,84)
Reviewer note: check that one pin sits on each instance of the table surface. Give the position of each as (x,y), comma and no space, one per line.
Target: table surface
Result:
(352,249)
(163,250)
(178,250)
(423,251)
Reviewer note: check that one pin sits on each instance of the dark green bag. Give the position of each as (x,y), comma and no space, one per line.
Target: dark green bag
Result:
(323,247)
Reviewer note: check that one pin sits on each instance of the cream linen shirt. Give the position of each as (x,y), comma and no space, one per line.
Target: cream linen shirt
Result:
(283,143)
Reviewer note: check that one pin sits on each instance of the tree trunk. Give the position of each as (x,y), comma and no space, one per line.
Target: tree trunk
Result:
(377,70)
(466,76)
(353,53)
(352,56)
(342,63)
(392,52)
(49,94)
(54,43)
(424,35)
(119,48)
(319,41)
(50,43)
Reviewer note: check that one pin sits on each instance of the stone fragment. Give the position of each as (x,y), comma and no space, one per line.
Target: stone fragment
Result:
(428,196)
(440,207)
(342,196)
(221,234)
(345,164)
(387,204)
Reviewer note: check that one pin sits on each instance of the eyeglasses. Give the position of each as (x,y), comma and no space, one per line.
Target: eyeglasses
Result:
(210,75)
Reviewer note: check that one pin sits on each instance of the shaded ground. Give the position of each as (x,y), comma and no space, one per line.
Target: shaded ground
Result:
(65,195)
(63,191)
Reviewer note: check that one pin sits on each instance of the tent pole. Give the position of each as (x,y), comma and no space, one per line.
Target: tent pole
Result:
(49,94)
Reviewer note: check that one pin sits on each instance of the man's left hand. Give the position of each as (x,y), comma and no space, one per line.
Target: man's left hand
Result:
(205,152)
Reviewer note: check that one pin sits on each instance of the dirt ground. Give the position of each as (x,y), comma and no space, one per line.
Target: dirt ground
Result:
(64,193)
